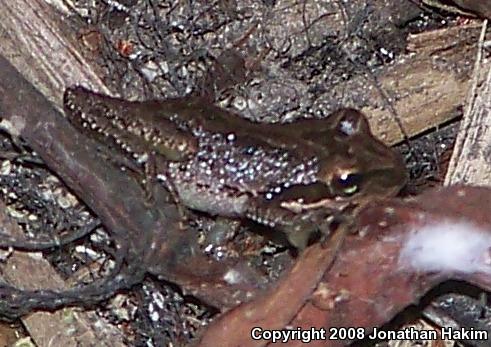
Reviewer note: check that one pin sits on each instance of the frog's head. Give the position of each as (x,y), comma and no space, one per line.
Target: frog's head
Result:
(359,165)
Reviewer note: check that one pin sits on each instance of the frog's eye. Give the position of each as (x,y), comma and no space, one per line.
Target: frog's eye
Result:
(347,183)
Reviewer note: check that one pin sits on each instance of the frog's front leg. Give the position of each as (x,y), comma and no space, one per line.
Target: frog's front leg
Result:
(300,212)
(299,228)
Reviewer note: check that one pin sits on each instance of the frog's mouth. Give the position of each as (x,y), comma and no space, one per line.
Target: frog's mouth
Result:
(298,206)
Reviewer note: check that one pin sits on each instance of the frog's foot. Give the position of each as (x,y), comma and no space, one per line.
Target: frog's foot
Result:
(150,178)
(148,184)
(181,209)
(297,228)
(299,238)
(133,169)
(119,160)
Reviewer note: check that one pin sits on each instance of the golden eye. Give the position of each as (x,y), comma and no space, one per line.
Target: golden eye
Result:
(347,183)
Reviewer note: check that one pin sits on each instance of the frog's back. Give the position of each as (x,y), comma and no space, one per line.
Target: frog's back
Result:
(304,136)
(135,128)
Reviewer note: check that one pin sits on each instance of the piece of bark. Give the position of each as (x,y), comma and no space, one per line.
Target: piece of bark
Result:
(470,162)
(36,40)
(471,8)
(480,8)
(429,85)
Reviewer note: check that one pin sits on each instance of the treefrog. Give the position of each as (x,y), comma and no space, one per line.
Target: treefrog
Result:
(293,177)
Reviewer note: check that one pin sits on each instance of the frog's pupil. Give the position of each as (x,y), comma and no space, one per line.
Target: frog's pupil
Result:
(349,183)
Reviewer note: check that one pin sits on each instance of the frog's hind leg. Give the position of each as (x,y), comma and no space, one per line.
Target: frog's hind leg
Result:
(155,168)
(142,170)
(120,160)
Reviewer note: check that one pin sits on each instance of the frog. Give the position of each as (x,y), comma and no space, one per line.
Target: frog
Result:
(296,177)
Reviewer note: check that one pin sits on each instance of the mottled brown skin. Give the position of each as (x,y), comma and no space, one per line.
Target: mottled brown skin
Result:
(293,177)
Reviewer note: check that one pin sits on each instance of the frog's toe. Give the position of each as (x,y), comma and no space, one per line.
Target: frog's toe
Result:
(300,238)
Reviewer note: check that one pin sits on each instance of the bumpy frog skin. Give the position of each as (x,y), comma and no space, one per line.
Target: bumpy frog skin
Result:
(288,176)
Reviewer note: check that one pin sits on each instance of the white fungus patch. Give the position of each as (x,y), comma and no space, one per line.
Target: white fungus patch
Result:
(447,246)
(232,276)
